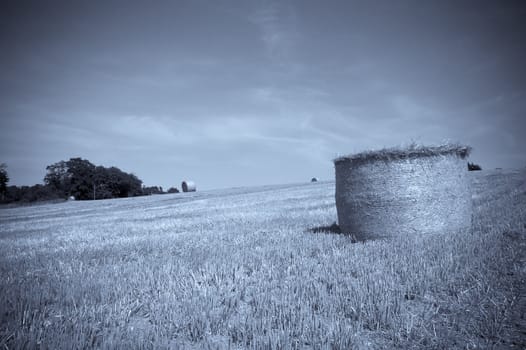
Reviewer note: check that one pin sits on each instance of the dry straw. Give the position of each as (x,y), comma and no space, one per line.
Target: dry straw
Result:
(188,186)
(402,190)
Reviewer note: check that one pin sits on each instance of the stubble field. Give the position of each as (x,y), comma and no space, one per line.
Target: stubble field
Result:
(251,268)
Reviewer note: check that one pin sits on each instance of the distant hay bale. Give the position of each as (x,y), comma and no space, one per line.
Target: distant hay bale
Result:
(188,186)
(314,179)
(395,191)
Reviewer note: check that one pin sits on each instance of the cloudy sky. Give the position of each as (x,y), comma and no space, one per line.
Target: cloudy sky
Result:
(234,93)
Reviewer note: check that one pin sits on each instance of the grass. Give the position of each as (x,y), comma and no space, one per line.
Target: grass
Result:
(259,268)
(410,152)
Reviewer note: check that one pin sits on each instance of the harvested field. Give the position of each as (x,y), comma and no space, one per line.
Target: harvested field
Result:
(259,268)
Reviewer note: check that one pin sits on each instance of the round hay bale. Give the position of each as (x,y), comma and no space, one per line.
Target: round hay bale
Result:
(398,191)
(188,186)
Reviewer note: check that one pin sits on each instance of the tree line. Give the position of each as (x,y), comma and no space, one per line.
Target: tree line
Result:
(79,179)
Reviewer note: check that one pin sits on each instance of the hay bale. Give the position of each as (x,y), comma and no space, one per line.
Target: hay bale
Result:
(188,186)
(397,191)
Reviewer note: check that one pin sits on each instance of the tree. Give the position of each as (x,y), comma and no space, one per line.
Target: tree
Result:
(4,179)
(135,185)
(58,178)
(101,184)
(82,179)
(28,194)
(71,178)
(81,173)
(122,184)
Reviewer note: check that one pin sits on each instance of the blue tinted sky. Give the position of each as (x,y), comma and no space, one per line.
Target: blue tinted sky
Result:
(231,93)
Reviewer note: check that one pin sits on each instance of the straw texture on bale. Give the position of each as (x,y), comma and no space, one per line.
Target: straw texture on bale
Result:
(398,191)
(188,186)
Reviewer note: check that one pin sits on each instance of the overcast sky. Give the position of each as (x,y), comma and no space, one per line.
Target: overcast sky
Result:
(234,93)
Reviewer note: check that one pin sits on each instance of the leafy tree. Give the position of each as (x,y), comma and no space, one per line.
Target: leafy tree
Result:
(84,180)
(101,184)
(122,184)
(80,178)
(135,185)
(81,173)
(4,179)
(73,177)
(58,178)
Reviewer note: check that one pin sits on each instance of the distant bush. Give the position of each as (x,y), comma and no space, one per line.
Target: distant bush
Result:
(28,194)
(172,190)
(4,179)
(146,191)
(473,167)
